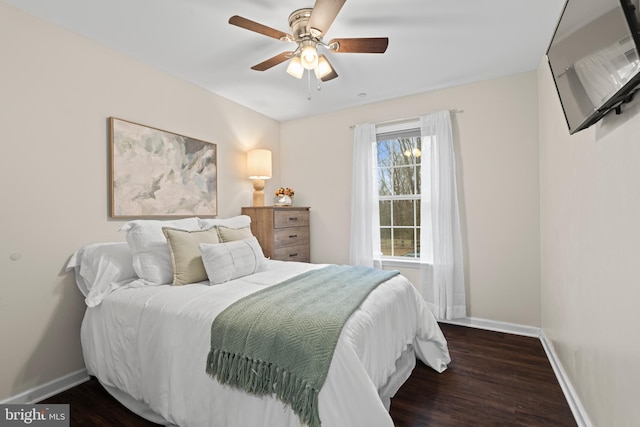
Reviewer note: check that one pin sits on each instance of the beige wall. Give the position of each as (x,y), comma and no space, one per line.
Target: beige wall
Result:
(496,138)
(56,92)
(590,245)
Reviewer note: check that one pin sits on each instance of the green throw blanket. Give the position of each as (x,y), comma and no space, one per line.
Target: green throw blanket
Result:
(281,340)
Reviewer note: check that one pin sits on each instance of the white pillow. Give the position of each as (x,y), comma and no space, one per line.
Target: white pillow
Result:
(233,222)
(151,256)
(100,268)
(228,261)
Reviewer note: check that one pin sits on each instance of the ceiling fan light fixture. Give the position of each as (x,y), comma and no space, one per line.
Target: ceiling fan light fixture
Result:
(307,26)
(324,68)
(309,56)
(295,67)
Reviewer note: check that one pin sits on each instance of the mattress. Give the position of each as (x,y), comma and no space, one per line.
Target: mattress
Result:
(148,346)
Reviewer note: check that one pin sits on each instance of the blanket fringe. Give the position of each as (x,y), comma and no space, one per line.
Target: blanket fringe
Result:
(259,377)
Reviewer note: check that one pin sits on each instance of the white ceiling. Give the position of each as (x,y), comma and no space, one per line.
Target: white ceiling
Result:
(433,44)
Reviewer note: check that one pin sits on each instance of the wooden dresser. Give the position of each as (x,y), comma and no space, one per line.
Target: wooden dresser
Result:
(283,232)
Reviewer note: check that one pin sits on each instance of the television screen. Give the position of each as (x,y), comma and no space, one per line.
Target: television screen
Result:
(594,58)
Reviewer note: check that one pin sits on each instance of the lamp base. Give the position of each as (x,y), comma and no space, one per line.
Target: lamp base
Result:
(258,192)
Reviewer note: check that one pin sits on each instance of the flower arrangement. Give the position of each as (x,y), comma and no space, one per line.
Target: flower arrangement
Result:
(284,191)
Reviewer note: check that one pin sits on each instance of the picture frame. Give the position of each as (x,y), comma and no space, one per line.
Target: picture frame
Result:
(155,173)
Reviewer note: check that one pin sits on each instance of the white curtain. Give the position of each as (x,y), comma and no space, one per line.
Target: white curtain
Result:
(365,218)
(442,284)
(442,274)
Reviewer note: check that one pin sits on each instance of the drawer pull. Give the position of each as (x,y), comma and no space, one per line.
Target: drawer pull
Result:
(293,236)
(293,218)
(293,255)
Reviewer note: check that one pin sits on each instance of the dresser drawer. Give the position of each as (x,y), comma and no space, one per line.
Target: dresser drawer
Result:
(290,218)
(283,232)
(290,236)
(298,253)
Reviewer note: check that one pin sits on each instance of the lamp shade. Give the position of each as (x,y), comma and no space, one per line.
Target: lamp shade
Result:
(324,68)
(309,57)
(295,67)
(259,164)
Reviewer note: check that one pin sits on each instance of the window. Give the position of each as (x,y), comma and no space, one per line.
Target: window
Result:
(399,161)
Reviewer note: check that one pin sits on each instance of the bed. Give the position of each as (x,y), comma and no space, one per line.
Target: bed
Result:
(147,342)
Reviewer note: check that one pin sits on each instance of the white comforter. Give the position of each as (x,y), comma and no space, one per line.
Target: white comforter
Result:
(152,343)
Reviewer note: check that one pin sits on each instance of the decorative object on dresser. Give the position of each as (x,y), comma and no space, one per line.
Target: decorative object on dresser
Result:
(283,232)
(259,169)
(284,196)
(155,173)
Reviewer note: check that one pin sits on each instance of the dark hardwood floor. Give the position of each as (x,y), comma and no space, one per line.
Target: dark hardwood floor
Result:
(494,379)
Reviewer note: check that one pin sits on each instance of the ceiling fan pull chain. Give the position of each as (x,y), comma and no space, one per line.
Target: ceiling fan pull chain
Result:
(309,85)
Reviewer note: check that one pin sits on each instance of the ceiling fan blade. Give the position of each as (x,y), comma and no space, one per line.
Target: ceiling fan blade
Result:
(271,62)
(250,25)
(322,16)
(360,45)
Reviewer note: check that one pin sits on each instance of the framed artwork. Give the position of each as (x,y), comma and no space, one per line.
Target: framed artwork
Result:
(155,173)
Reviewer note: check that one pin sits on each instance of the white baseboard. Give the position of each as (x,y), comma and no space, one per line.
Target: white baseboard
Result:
(579,413)
(494,325)
(570,394)
(41,392)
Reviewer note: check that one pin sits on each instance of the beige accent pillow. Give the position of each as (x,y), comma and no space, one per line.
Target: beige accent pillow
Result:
(185,253)
(228,234)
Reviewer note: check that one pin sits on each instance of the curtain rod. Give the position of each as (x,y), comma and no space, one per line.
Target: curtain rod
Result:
(408,119)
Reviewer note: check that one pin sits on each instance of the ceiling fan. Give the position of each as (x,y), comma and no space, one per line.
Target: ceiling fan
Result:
(308,26)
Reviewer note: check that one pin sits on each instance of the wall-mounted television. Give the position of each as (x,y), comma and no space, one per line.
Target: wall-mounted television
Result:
(594,58)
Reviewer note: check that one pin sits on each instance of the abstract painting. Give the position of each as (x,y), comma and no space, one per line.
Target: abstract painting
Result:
(155,173)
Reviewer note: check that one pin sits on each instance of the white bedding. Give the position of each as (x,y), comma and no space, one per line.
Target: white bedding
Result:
(151,342)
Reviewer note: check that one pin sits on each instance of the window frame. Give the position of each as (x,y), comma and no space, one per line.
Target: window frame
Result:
(395,131)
